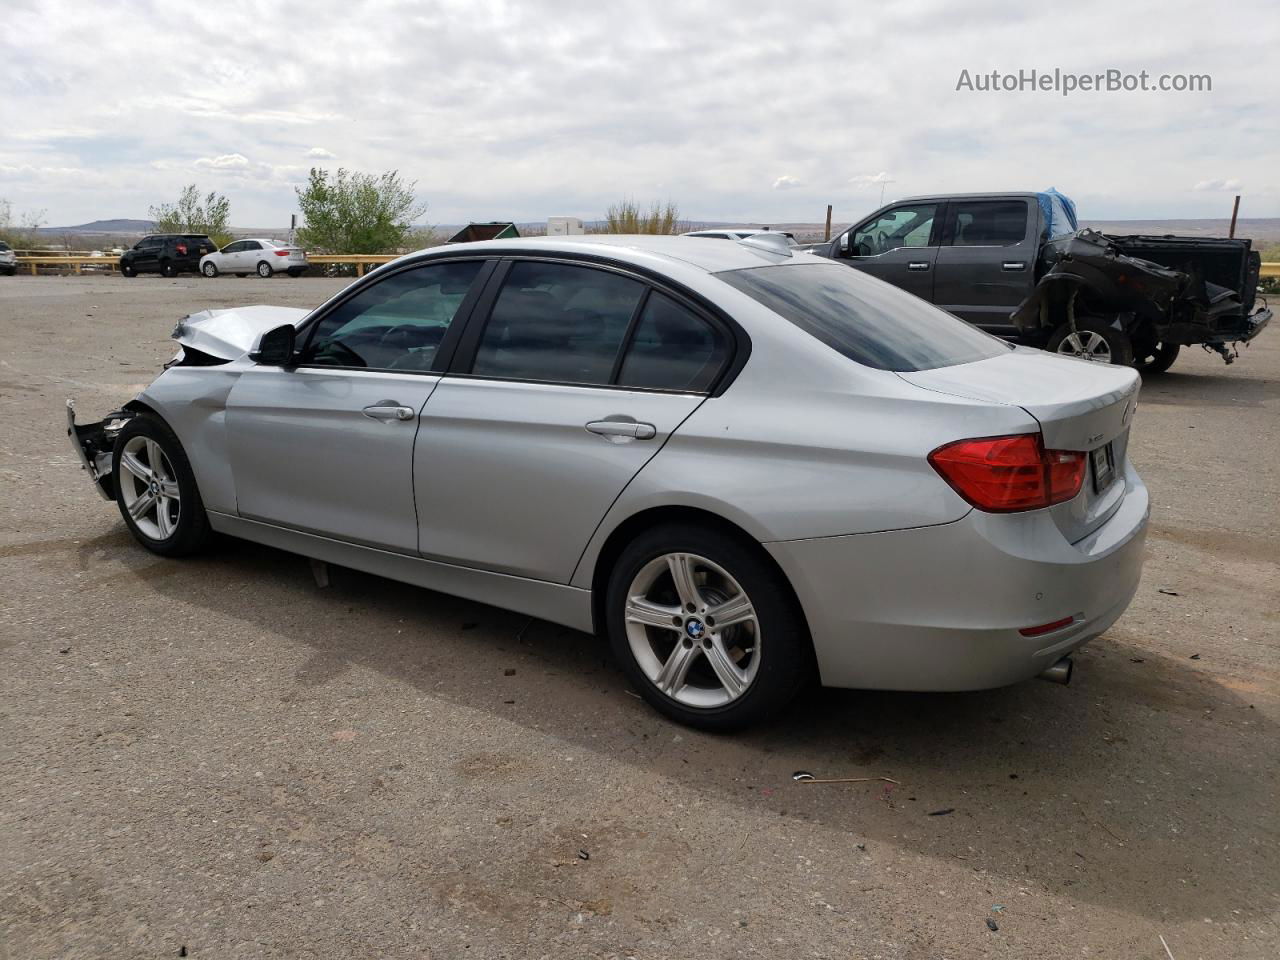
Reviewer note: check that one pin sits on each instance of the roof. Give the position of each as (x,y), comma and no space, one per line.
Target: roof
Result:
(713,256)
(1020,194)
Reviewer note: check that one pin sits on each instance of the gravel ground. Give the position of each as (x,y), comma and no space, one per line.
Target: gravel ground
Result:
(215,754)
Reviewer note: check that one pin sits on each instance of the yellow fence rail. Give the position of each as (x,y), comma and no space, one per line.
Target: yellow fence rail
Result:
(361,261)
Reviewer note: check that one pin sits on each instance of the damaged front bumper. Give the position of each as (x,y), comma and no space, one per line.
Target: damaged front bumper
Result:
(94,444)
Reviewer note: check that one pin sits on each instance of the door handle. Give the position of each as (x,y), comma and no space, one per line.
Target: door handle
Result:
(623,429)
(1013,266)
(387,410)
(918,265)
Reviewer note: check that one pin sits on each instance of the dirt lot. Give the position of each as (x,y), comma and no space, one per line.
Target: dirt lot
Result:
(218,755)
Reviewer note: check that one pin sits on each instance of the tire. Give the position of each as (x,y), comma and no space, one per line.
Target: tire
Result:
(1094,340)
(168,268)
(768,656)
(1159,359)
(295,272)
(172,526)
(210,270)
(264,269)
(128,270)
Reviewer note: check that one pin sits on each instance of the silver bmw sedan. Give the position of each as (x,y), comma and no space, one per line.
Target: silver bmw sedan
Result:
(747,467)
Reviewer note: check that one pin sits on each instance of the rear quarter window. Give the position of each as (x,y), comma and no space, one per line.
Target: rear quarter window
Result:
(864,319)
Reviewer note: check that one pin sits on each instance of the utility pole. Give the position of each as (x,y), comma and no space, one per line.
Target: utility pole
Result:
(1235,209)
(827,234)
(883,184)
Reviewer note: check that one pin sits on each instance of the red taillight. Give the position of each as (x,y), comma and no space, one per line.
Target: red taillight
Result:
(282,253)
(1005,474)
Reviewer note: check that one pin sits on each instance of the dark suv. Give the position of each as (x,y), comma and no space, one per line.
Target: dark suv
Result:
(166,253)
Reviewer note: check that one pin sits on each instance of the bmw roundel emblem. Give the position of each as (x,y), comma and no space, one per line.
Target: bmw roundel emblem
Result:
(695,629)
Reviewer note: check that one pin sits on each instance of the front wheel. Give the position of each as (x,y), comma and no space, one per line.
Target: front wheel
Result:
(264,269)
(1158,359)
(705,628)
(210,270)
(1092,339)
(156,489)
(128,270)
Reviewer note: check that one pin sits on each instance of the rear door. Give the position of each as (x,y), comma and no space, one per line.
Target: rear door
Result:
(327,447)
(985,264)
(568,380)
(898,245)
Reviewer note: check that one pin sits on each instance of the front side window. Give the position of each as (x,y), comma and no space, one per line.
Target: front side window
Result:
(672,349)
(396,323)
(557,322)
(872,323)
(905,226)
(987,223)
(233,247)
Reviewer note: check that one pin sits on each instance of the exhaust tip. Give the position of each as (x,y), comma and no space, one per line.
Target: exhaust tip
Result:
(1060,672)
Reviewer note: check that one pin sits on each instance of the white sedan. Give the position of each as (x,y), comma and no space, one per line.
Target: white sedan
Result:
(260,256)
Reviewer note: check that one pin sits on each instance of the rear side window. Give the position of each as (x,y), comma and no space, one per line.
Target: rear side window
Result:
(672,349)
(866,320)
(987,223)
(557,322)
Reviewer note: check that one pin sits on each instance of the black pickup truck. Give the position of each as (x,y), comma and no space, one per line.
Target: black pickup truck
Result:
(1017,265)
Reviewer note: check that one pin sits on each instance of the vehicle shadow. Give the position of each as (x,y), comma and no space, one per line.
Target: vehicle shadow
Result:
(1207,390)
(1114,791)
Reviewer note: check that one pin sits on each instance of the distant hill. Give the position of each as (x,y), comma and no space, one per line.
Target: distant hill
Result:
(103,226)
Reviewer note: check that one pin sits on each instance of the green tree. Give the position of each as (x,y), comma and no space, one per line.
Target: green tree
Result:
(352,212)
(627,217)
(191,214)
(23,233)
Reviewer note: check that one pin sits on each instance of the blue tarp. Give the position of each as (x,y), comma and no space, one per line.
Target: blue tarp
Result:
(1059,213)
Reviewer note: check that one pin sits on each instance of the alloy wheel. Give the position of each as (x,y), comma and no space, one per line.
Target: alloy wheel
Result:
(1087,345)
(149,488)
(693,630)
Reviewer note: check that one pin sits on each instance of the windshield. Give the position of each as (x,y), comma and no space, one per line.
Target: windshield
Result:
(864,319)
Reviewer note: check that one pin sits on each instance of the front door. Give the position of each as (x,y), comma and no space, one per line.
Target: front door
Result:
(899,246)
(327,447)
(570,386)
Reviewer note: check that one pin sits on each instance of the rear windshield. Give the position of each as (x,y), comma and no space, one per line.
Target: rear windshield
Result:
(864,319)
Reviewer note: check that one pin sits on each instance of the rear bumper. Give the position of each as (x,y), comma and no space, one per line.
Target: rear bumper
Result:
(940,608)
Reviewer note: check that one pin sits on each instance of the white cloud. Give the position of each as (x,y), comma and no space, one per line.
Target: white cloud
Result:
(230,161)
(319,153)
(1232,184)
(595,102)
(871,179)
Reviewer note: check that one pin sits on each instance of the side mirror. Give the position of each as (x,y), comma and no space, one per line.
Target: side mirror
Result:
(844,244)
(275,347)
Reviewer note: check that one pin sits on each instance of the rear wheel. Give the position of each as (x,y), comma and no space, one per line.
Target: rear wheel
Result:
(156,489)
(1092,339)
(168,268)
(1158,359)
(705,627)
(210,270)
(264,269)
(295,271)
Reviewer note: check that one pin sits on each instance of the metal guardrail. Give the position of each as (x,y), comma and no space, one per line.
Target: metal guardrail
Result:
(361,261)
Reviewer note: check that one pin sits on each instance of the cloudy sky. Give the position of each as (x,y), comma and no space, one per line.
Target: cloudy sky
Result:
(742,110)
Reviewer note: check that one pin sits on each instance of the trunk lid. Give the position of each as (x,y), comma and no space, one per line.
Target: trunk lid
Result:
(1079,405)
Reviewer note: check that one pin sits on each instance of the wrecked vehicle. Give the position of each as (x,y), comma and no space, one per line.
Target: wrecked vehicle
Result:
(1017,265)
(680,444)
